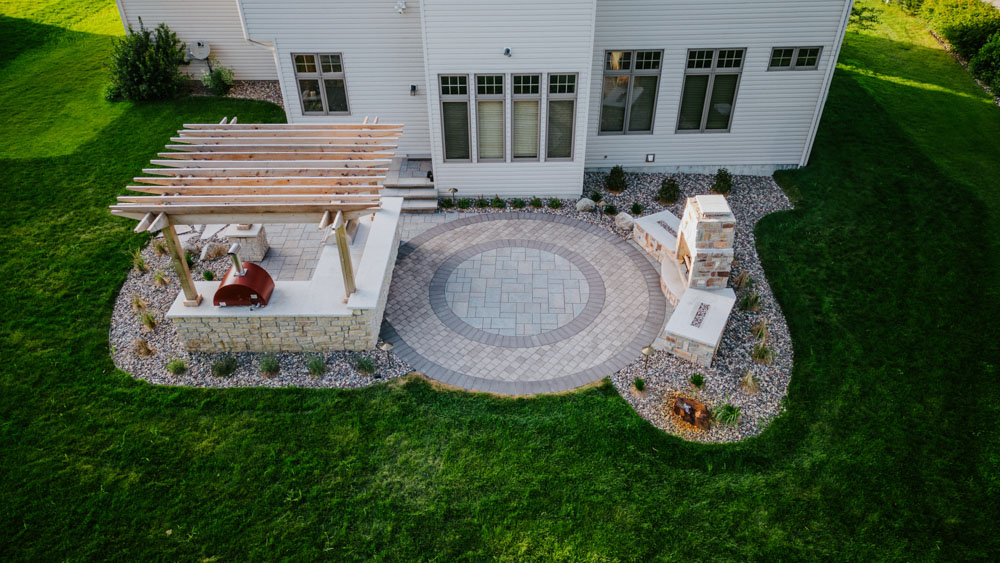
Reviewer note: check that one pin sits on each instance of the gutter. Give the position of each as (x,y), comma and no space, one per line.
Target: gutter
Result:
(122,14)
(243,28)
(807,150)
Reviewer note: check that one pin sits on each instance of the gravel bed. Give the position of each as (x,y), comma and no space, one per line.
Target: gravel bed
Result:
(266,90)
(126,328)
(665,375)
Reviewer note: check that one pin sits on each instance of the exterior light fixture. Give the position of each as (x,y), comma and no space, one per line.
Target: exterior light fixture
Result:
(413,89)
(507,52)
(401,6)
(647,351)
(453,192)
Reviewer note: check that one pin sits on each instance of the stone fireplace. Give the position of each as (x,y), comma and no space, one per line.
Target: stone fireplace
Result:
(705,241)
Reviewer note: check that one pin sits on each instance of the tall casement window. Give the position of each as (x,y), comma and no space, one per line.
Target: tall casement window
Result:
(455,116)
(562,105)
(490,123)
(526,98)
(322,86)
(709,94)
(628,97)
(794,58)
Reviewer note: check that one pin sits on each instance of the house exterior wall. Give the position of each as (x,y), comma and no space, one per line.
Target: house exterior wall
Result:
(214,21)
(554,36)
(774,112)
(382,55)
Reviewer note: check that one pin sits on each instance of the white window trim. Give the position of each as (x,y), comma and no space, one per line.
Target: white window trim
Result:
(442,98)
(319,75)
(712,71)
(502,98)
(631,72)
(795,58)
(514,97)
(550,97)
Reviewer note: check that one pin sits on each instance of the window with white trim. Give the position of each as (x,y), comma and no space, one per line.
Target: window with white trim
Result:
(711,80)
(455,116)
(526,98)
(561,117)
(629,91)
(321,83)
(490,121)
(794,58)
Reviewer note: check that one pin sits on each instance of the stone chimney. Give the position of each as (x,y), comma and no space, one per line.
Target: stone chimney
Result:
(705,241)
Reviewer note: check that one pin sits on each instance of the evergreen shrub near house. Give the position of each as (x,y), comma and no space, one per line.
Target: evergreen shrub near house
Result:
(966,24)
(536,203)
(224,366)
(610,209)
(218,79)
(669,192)
(616,183)
(464,203)
(723,182)
(517,203)
(145,65)
(498,203)
(985,65)
(636,208)
(555,203)
(482,203)
(640,384)
(446,203)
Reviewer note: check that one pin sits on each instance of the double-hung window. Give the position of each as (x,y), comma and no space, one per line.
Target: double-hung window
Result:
(526,97)
(628,95)
(562,109)
(490,122)
(794,58)
(321,82)
(711,80)
(455,116)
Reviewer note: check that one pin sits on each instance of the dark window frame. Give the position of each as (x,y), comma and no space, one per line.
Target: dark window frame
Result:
(793,64)
(631,72)
(711,71)
(444,98)
(320,75)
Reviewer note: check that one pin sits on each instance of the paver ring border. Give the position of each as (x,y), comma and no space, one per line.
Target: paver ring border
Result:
(439,303)
(651,325)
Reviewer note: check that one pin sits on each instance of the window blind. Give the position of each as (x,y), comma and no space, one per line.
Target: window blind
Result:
(693,101)
(456,130)
(490,121)
(560,133)
(525,129)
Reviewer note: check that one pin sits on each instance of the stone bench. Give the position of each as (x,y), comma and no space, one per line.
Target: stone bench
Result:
(695,328)
(657,234)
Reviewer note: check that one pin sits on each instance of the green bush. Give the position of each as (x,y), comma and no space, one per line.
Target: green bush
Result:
(966,24)
(728,414)
(145,65)
(750,302)
(446,203)
(208,275)
(616,183)
(985,65)
(596,197)
(640,384)
(464,203)
(536,203)
(723,182)
(610,209)
(497,203)
(269,365)
(224,366)
(636,208)
(518,203)
(762,353)
(669,192)
(365,366)
(177,366)
(482,203)
(555,203)
(316,365)
(218,79)
(697,380)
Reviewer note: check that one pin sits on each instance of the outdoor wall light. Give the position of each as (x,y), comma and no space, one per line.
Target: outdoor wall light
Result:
(413,89)
(401,6)
(507,52)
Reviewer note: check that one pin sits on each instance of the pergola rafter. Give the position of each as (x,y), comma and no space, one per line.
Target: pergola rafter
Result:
(262,173)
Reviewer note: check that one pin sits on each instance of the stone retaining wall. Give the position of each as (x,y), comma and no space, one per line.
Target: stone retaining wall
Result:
(278,334)
(688,349)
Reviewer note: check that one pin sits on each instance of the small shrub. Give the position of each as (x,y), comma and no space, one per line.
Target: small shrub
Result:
(762,353)
(743,280)
(208,275)
(967,24)
(985,65)
(697,380)
(728,414)
(142,348)
(750,302)
(316,366)
(218,79)
(863,18)
(160,279)
(176,366)
(749,383)
(446,203)
(610,209)
(640,384)
(596,197)
(365,366)
(536,203)
(497,203)
(555,203)
(669,192)
(518,203)
(464,203)
(224,366)
(636,208)
(269,365)
(616,182)
(148,321)
(482,203)
(138,304)
(760,330)
(160,247)
(138,262)
(189,258)
(723,182)
(145,65)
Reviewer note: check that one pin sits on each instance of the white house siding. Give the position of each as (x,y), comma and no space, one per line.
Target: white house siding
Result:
(774,111)
(382,56)
(214,21)
(551,36)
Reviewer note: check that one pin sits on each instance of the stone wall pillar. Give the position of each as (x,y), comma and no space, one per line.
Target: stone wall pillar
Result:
(253,241)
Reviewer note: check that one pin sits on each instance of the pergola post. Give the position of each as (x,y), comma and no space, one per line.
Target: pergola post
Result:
(191,296)
(344,250)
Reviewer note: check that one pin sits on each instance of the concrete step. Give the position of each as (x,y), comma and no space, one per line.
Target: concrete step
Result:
(420,205)
(410,193)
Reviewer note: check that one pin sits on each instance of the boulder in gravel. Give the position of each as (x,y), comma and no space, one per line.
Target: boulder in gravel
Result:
(692,412)
(585,204)
(212,250)
(624,221)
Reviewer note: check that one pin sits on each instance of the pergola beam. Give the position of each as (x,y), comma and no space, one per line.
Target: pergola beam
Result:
(281,140)
(280,147)
(285,126)
(262,180)
(258,172)
(300,163)
(277,155)
(255,190)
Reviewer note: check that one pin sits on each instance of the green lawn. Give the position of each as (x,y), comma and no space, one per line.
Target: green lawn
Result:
(889,448)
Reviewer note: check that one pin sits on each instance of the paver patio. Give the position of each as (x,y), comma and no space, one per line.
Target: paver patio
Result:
(520,303)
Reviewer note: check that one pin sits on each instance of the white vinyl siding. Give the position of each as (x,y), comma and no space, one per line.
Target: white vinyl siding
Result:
(216,22)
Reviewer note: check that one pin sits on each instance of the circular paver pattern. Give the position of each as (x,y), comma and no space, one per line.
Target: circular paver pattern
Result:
(521,303)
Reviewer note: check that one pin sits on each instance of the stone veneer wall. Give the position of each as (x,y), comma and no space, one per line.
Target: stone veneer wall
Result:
(688,349)
(651,245)
(253,241)
(712,240)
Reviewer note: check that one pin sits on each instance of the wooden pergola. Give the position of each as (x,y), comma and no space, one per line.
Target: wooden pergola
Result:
(236,173)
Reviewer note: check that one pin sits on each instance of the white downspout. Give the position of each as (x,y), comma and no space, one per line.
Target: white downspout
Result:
(246,34)
(807,150)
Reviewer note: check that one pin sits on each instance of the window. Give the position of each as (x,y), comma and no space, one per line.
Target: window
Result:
(711,79)
(490,124)
(526,98)
(562,106)
(321,82)
(628,96)
(455,116)
(794,58)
